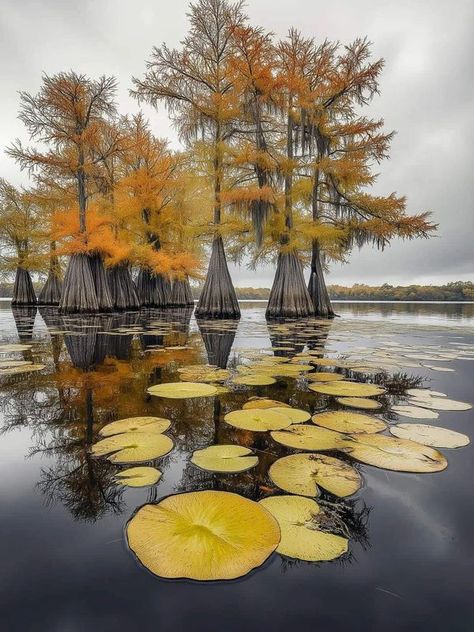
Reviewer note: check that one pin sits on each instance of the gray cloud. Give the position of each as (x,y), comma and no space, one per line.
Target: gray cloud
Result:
(427,95)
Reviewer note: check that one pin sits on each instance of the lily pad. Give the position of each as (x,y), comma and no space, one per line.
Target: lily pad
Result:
(348,422)
(300,537)
(182,390)
(257,420)
(348,389)
(303,474)
(433,436)
(254,380)
(324,376)
(138,476)
(303,437)
(359,402)
(136,424)
(204,535)
(262,402)
(224,458)
(390,453)
(440,403)
(133,447)
(296,415)
(415,412)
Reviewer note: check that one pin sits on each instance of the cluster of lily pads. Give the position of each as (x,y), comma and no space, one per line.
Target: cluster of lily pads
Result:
(209,535)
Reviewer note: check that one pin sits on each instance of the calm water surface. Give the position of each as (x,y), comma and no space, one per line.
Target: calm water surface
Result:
(65,565)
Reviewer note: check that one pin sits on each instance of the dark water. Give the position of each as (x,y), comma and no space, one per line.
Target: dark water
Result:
(65,565)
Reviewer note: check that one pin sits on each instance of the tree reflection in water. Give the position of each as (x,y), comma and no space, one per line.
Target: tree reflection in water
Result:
(101,373)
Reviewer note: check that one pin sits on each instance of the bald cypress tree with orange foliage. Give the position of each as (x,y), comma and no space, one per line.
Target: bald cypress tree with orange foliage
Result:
(339,147)
(20,240)
(68,118)
(144,193)
(197,87)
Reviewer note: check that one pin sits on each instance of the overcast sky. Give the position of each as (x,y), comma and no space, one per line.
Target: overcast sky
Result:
(427,95)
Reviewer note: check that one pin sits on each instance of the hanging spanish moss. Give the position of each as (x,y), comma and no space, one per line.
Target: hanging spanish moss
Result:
(218,298)
(23,290)
(104,298)
(51,291)
(122,287)
(317,287)
(181,294)
(289,297)
(79,294)
(153,290)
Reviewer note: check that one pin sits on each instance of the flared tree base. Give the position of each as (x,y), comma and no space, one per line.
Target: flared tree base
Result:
(23,290)
(181,294)
(317,287)
(52,289)
(218,298)
(79,293)
(104,298)
(153,290)
(122,288)
(289,297)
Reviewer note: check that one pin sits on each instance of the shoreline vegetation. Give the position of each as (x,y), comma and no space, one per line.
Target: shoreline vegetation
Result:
(456,291)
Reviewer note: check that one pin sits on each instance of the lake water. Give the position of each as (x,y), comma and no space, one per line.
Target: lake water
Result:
(65,565)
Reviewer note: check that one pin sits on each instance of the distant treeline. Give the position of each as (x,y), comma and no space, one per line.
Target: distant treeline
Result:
(455,291)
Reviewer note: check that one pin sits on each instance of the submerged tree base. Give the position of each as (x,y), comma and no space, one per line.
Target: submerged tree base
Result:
(122,288)
(79,294)
(317,287)
(104,298)
(153,290)
(52,289)
(23,290)
(181,294)
(218,298)
(289,297)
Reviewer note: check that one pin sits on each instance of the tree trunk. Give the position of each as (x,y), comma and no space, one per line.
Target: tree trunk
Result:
(23,290)
(51,291)
(79,294)
(218,298)
(317,286)
(104,298)
(122,288)
(289,297)
(181,294)
(153,290)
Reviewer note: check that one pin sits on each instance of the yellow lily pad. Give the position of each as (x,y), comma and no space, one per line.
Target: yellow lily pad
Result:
(296,415)
(262,402)
(224,458)
(182,390)
(138,476)
(204,535)
(257,420)
(311,438)
(348,422)
(303,474)
(401,455)
(254,380)
(415,412)
(359,402)
(300,537)
(348,389)
(136,424)
(133,447)
(324,376)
